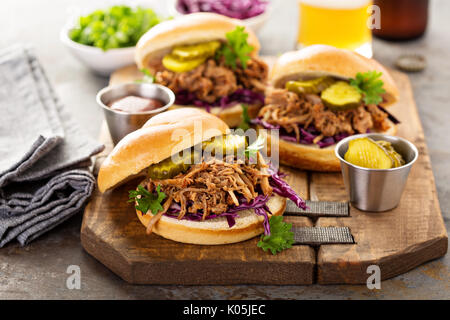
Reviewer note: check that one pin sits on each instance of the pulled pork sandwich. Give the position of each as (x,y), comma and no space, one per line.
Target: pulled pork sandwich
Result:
(321,95)
(209,61)
(216,197)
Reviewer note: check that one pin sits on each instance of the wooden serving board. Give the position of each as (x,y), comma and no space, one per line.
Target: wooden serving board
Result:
(397,241)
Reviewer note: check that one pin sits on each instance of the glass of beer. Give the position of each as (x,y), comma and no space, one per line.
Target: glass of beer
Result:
(339,23)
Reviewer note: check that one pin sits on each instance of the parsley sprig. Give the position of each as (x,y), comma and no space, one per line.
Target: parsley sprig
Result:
(258,144)
(147,78)
(281,237)
(369,84)
(236,48)
(245,123)
(146,200)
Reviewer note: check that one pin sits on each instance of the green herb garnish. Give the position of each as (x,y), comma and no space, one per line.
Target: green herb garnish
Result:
(236,48)
(281,237)
(147,78)
(146,200)
(245,123)
(369,84)
(115,27)
(257,145)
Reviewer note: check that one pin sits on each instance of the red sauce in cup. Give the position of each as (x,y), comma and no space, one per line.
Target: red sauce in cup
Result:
(135,104)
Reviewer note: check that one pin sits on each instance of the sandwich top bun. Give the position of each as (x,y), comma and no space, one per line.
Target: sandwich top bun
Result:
(162,136)
(188,29)
(214,231)
(319,60)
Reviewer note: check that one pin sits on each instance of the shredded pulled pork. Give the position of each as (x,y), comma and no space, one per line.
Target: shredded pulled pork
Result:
(213,186)
(379,117)
(289,110)
(254,76)
(211,81)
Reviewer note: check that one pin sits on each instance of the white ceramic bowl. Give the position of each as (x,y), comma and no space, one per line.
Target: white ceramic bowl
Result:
(257,22)
(100,62)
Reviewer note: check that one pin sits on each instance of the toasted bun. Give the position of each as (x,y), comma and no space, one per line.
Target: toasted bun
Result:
(214,231)
(162,136)
(232,116)
(187,29)
(310,157)
(318,60)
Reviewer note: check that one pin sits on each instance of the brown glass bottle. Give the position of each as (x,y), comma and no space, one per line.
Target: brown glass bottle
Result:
(402,19)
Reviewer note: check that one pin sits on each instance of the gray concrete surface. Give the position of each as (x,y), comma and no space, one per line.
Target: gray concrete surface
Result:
(39,270)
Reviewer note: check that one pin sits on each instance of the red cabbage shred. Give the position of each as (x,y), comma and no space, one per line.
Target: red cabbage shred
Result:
(239,96)
(238,9)
(306,136)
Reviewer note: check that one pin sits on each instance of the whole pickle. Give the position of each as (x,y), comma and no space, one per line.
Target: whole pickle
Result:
(365,152)
(341,96)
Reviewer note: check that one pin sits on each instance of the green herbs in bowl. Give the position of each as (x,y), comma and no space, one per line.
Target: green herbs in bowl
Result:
(115,27)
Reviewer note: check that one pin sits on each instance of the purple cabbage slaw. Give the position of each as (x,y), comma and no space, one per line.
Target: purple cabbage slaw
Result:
(265,124)
(306,136)
(259,204)
(283,189)
(241,95)
(175,208)
(238,9)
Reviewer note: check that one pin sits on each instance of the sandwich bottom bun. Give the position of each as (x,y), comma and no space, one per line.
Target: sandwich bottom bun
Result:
(232,116)
(214,231)
(310,157)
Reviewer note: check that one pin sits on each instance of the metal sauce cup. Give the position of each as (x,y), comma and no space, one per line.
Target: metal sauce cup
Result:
(376,189)
(122,123)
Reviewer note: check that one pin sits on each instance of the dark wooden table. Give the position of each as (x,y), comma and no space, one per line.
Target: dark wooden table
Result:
(39,270)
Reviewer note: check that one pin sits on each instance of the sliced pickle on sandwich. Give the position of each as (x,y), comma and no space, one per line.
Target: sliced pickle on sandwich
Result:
(174,64)
(226,144)
(188,57)
(313,86)
(172,166)
(341,96)
(365,152)
(195,51)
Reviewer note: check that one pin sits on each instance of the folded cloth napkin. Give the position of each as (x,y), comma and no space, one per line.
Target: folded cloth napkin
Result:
(44,155)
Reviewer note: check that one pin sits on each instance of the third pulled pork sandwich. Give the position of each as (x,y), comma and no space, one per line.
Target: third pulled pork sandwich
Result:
(209,61)
(321,95)
(215,197)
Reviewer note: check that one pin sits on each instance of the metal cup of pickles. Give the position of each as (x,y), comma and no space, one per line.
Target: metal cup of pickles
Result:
(375,168)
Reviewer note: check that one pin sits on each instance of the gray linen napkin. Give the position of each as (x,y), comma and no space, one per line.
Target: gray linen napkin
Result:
(41,152)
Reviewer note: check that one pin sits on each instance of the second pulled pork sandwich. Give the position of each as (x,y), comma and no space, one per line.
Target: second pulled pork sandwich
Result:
(213,198)
(321,95)
(209,61)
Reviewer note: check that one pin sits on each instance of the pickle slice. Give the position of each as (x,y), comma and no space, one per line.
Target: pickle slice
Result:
(397,157)
(194,51)
(170,167)
(365,152)
(174,64)
(227,144)
(341,96)
(309,86)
